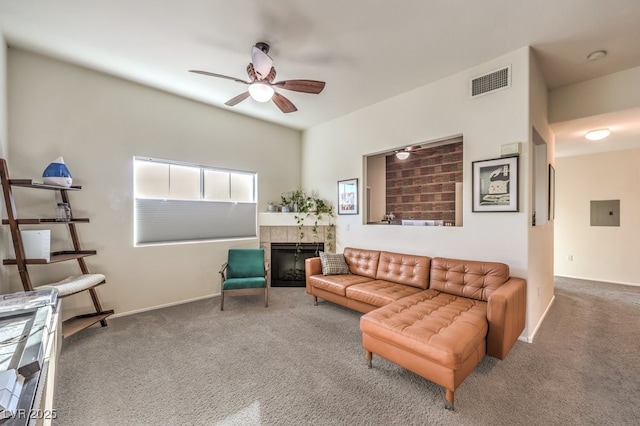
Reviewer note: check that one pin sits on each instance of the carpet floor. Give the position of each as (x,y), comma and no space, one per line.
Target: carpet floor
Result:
(296,364)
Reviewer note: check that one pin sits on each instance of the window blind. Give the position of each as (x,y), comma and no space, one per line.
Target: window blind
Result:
(170,221)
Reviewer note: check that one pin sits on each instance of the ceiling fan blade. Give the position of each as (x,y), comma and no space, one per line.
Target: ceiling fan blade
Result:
(212,74)
(271,76)
(251,72)
(234,101)
(305,86)
(283,103)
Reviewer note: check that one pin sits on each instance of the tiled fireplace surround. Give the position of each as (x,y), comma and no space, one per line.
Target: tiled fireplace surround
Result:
(282,228)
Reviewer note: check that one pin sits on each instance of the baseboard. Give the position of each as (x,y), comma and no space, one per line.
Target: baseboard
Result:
(598,279)
(166,305)
(529,339)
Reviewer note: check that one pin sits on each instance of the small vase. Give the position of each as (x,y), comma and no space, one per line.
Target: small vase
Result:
(57,174)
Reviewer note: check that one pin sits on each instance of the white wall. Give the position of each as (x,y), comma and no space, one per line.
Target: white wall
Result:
(3,97)
(540,275)
(599,253)
(4,151)
(614,92)
(334,150)
(98,123)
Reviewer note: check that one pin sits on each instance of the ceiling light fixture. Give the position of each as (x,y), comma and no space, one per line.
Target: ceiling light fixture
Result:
(598,54)
(597,134)
(261,92)
(262,62)
(402,155)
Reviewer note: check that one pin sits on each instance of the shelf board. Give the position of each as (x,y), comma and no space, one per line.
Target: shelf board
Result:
(43,220)
(79,323)
(29,183)
(58,256)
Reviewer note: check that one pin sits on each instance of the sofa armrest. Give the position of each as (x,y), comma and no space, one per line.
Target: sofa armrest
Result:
(506,311)
(312,266)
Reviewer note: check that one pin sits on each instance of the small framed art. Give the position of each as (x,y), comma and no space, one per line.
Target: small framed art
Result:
(495,185)
(348,196)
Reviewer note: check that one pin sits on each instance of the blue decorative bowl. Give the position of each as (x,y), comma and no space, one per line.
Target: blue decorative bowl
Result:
(57,174)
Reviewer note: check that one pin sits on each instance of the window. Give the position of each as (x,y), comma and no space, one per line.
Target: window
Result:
(421,186)
(177,202)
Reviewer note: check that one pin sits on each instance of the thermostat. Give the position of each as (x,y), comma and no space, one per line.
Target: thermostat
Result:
(510,149)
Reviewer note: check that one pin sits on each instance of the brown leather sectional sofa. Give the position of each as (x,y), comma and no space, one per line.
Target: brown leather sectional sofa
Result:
(437,317)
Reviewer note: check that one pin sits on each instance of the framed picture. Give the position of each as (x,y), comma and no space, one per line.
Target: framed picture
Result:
(348,196)
(495,185)
(552,192)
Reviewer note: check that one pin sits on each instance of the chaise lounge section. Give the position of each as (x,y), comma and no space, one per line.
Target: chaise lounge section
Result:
(436,317)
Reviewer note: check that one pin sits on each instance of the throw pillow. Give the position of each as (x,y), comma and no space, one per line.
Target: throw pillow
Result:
(333,264)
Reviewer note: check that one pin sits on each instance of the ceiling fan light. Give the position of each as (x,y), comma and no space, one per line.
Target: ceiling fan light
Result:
(597,134)
(262,62)
(402,155)
(261,92)
(598,54)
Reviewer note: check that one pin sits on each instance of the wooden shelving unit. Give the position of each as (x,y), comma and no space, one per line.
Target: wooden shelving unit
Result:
(57,256)
(69,287)
(47,221)
(80,322)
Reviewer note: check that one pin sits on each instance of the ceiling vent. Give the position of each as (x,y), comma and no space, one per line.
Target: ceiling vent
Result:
(490,82)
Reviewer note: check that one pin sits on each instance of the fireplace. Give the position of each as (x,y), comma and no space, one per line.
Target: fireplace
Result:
(287,269)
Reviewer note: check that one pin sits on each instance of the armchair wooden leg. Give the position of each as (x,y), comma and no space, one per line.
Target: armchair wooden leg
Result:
(222,300)
(266,297)
(315,300)
(369,356)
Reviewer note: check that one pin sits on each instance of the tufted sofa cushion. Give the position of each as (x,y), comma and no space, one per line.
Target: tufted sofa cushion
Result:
(378,292)
(405,269)
(467,278)
(362,262)
(336,284)
(441,327)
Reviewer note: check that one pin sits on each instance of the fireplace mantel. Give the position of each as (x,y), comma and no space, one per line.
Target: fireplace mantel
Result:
(287,219)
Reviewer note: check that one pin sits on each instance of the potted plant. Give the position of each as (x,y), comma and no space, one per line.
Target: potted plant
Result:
(285,199)
(295,200)
(306,206)
(318,208)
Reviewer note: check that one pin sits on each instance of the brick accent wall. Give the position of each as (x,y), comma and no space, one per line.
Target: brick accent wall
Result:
(422,187)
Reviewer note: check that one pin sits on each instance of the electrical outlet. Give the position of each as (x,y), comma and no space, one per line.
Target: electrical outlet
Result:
(570,258)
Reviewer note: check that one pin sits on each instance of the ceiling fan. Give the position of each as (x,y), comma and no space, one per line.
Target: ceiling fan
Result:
(261,86)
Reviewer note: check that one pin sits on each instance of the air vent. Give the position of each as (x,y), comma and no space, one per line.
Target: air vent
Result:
(490,82)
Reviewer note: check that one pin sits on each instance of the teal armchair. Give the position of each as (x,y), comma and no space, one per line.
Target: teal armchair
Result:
(244,273)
